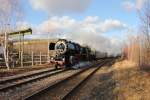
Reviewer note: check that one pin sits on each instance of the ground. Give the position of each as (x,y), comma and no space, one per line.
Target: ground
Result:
(123,81)
(132,83)
(19,70)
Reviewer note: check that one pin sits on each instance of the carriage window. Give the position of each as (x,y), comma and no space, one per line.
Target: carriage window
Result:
(52,46)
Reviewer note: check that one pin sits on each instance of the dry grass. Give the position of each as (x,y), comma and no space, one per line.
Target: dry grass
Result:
(122,81)
(125,64)
(131,83)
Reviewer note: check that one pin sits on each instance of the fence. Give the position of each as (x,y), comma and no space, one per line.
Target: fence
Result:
(33,59)
(27,60)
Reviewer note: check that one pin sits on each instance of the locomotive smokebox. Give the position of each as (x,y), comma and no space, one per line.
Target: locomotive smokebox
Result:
(64,46)
(61,47)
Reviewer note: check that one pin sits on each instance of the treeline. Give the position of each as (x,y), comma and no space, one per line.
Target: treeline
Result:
(138,48)
(138,51)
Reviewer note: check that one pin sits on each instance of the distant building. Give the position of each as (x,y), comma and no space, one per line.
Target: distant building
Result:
(36,46)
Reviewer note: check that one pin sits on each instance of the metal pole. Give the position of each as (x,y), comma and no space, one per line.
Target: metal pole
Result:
(48,56)
(40,58)
(23,44)
(19,45)
(22,50)
(21,59)
(6,52)
(32,59)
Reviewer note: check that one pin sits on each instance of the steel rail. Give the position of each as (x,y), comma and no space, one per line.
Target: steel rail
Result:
(43,90)
(71,92)
(29,80)
(4,81)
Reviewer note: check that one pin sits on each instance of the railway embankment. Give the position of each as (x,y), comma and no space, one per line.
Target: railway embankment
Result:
(132,83)
(121,81)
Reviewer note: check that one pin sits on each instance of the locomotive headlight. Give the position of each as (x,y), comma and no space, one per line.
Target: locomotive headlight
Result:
(52,58)
(63,59)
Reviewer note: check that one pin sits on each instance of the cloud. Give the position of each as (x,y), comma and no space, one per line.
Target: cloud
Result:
(60,6)
(110,24)
(140,3)
(136,5)
(21,25)
(9,7)
(88,31)
(10,12)
(89,24)
(128,6)
(5,6)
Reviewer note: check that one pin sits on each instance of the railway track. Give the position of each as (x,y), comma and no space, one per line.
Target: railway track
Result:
(18,88)
(6,85)
(65,88)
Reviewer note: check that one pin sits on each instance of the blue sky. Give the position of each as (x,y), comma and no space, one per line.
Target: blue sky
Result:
(103,8)
(107,22)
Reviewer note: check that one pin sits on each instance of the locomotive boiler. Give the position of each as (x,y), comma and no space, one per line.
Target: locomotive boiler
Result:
(67,53)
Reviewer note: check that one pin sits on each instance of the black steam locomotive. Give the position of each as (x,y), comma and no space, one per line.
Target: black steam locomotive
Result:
(67,53)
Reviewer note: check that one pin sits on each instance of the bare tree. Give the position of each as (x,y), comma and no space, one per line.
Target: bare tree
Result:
(10,13)
(144,15)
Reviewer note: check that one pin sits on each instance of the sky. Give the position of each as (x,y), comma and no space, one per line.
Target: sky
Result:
(102,24)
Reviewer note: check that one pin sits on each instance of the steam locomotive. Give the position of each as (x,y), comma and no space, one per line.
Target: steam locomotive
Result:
(67,54)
